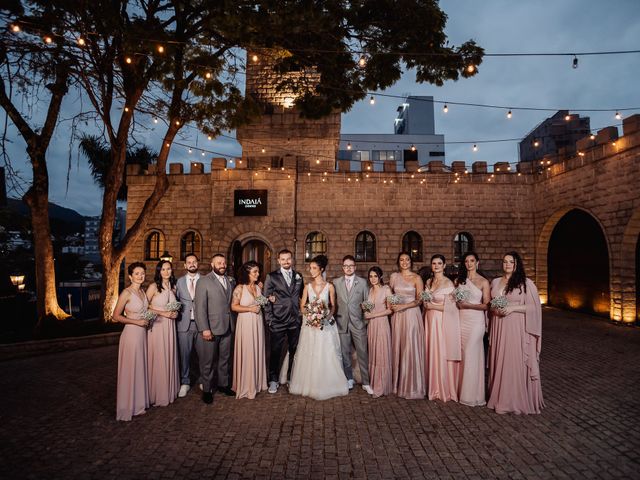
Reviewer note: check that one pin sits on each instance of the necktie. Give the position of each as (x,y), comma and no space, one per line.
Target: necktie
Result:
(192,288)
(224,283)
(288,277)
(349,280)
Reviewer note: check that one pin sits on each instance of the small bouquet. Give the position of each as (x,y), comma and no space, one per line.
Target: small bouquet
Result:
(173,307)
(262,300)
(499,303)
(461,294)
(149,316)
(367,306)
(426,296)
(393,299)
(316,313)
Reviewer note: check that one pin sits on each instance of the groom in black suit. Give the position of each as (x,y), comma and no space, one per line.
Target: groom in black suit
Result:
(283,314)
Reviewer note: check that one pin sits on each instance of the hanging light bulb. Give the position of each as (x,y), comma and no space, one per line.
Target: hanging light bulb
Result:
(475,147)
(567,117)
(618,116)
(202,154)
(160,49)
(207,75)
(372,100)
(445,109)
(15,28)
(575,62)
(177,122)
(471,68)
(509,114)
(263,150)
(126,109)
(349,146)
(413,148)
(209,137)
(128,60)
(536,143)
(155,120)
(592,136)
(254,58)
(190,151)
(48,39)
(81,41)
(362,62)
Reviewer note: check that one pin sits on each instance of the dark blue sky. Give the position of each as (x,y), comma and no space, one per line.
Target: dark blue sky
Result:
(500,26)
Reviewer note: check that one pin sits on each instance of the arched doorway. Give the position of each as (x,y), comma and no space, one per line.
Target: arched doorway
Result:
(251,249)
(578,264)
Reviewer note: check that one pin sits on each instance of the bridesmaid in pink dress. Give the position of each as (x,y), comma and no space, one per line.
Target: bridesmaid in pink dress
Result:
(515,340)
(132,396)
(472,328)
(164,374)
(407,332)
(379,335)
(249,360)
(443,340)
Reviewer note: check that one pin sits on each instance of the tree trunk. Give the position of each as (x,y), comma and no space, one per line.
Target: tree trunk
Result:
(110,289)
(37,197)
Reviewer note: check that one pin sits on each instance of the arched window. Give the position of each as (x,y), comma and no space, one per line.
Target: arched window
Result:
(190,242)
(462,243)
(315,244)
(153,245)
(412,243)
(365,247)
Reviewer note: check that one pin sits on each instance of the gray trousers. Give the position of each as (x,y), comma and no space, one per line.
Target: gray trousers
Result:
(214,358)
(186,341)
(359,338)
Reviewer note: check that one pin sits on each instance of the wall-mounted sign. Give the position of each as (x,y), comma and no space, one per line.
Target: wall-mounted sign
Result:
(249,203)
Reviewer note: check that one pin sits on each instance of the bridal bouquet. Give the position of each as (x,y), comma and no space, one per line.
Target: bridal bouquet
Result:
(426,296)
(173,307)
(461,294)
(393,299)
(316,313)
(499,303)
(367,306)
(149,316)
(262,300)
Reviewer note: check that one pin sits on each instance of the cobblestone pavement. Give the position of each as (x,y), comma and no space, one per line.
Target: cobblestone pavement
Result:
(57,415)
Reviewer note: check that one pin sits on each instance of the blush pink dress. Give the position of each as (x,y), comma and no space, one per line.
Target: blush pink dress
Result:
(472,327)
(164,374)
(249,360)
(132,397)
(407,334)
(514,354)
(379,338)
(444,347)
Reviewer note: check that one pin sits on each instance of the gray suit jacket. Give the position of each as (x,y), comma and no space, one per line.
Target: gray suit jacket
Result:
(348,309)
(183,296)
(213,305)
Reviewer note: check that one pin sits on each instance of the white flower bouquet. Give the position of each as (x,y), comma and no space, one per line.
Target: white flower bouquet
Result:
(262,300)
(149,316)
(173,307)
(426,296)
(461,294)
(499,303)
(367,306)
(393,299)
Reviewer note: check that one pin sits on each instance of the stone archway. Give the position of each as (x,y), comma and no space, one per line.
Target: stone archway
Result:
(629,271)
(578,264)
(251,246)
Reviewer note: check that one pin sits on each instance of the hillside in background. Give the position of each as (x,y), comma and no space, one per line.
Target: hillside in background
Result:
(64,221)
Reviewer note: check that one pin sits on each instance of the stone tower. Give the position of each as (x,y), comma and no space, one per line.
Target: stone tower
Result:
(280,137)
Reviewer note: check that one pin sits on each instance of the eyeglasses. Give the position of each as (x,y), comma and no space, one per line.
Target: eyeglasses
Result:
(348,266)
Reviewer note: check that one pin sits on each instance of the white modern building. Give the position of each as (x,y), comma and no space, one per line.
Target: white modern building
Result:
(414,139)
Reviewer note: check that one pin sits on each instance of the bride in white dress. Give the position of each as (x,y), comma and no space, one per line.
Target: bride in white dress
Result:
(317,366)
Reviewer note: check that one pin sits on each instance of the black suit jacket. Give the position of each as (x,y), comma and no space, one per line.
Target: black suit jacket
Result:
(285,312)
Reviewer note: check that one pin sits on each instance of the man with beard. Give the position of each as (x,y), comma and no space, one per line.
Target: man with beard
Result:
(215,328)
(186,323)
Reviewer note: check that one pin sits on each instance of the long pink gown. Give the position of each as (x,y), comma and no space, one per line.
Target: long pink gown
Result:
(249,360)
(407,334)
(379,338)
(514,354)
(444,347)
(164,373)
(472,326)
(132,397)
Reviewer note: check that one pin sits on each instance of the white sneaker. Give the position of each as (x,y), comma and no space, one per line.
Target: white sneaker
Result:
(273,387)
(183,390)
(367,389)
(351,383)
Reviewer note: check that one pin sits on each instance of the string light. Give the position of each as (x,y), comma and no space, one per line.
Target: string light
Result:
(254,58)
(155,120)
(567,117)
(592,136)
(207,75)
(81,41)
(413,148)
(471,68)
(128,60)
(160,49)
(263,150)
(209,137)
(48,39)
(348,146)
(126,109)
(177,122)
(15,28)
(475,147)
(536,143)
(372,100)
(575,62)
(190,150)
(362,62)
(445,109)
(509,114)
(618,116)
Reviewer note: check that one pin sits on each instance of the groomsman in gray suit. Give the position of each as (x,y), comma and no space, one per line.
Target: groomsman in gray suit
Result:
(186,322)
(351,291)
(215,326)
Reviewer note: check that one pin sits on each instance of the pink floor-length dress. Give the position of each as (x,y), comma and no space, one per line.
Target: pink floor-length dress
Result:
(472,326)
(249,360)
(514,354)
(132,397)
(407,334)
(164,373)
(444,347)
(379,338)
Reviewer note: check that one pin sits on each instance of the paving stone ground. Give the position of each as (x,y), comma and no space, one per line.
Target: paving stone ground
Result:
(57,420)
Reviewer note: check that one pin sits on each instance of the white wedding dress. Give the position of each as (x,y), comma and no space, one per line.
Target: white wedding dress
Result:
(317,366)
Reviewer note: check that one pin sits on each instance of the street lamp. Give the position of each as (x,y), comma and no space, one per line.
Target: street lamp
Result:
(166,257)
